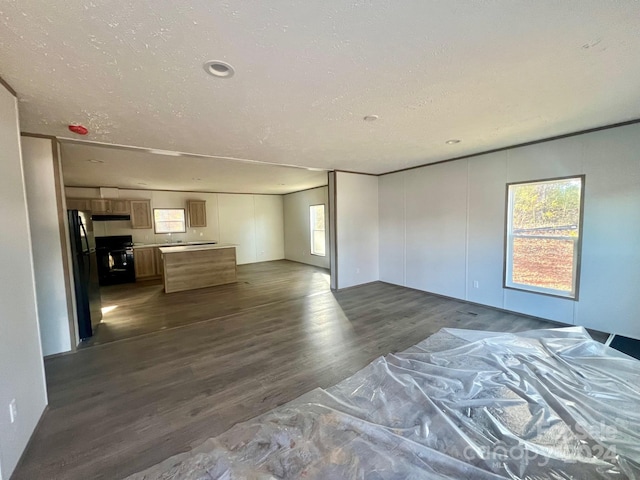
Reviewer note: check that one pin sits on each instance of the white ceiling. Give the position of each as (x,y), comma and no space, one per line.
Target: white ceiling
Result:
(491,73)
(87,165)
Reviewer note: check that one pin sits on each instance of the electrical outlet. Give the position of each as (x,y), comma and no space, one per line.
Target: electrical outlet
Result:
(357,270)
(476,284)
(13,410)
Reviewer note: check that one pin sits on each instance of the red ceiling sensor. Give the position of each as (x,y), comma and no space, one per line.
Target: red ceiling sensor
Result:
(79,129)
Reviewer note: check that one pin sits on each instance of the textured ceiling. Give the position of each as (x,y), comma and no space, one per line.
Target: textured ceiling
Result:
(86,165)
(491,73)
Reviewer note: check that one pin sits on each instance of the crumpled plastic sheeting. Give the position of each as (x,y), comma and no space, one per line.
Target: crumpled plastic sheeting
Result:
(544,404)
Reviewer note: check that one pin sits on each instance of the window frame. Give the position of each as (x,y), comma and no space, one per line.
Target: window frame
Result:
(577,254)
(155,225)
(312,230)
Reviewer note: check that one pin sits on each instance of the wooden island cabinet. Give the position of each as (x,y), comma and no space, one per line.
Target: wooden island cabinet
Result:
(198,266)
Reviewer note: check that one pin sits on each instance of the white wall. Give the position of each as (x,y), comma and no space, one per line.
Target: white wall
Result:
(297,229)
(442,227)
(610,249)
(53,314)
(392,215)
(437,254)
(21,366)
(254,222)
(485,228)
(269,222)
(357,229)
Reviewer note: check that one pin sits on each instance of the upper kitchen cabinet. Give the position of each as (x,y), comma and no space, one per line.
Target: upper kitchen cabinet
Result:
(197,213)
(120,207)
(141,214)
(100,205)
(112,206)
(79,204)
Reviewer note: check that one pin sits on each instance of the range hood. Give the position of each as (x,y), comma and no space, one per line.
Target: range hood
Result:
(109,218)
(109,193)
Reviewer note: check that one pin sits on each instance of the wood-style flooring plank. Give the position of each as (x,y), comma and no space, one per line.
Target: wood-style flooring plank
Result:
(171,370)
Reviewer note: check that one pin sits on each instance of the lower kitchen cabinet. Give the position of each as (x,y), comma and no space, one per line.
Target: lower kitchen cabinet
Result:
(146,263)
(159,263)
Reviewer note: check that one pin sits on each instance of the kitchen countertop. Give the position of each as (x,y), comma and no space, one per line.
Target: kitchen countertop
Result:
(195,248)
(174,244)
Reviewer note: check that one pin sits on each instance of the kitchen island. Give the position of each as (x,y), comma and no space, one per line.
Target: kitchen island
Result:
(188,267)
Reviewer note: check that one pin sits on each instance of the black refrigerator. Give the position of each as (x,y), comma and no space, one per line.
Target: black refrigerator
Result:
(85,272)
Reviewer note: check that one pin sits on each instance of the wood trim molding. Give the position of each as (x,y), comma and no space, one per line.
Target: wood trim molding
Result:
(38,135)
(518,145)
(62,226)
(359,173)
(332,178)
(178,191)
(505,249)
(9,88)
(306,189)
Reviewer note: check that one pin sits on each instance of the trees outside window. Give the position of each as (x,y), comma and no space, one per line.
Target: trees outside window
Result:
(543,236)
(317,224)
(169,220)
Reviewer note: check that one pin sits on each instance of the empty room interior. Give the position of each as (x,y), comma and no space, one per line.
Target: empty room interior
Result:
(332,240)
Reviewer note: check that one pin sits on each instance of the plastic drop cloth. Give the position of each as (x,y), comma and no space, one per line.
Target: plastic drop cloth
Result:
(550,404)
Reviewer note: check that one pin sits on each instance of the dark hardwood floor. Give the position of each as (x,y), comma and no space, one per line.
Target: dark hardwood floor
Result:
(141,308)
(190,365)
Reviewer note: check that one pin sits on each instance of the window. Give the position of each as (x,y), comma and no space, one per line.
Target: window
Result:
(169,220)
(316,217)
(543,236)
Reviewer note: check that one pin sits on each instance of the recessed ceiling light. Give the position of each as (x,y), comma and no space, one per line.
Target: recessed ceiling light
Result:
(95,161)
(218,69)
(453,141)
(370,118)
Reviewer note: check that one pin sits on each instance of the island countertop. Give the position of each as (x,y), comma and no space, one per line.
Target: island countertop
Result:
(173,244)
(194,248)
